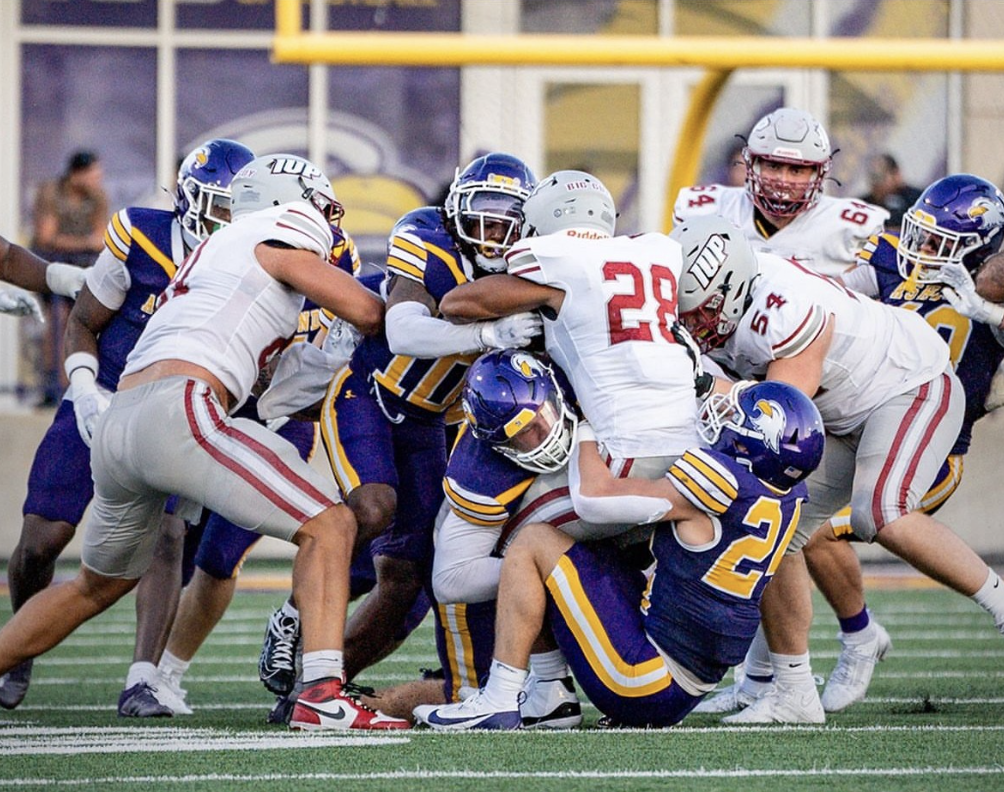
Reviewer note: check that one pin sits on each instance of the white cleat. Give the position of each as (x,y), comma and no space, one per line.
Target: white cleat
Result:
(169,692)
(730,699)
(550,704)
(474,713)
(853,673)
(782,705)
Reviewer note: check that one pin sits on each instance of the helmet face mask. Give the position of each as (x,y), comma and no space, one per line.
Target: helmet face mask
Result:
(202,197)
(719,272)
(484,205)
(788,158)
(772,427)
(957,220)
(513,402)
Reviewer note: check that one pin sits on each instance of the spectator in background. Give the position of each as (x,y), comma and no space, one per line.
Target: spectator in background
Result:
(70,215)
(889,190)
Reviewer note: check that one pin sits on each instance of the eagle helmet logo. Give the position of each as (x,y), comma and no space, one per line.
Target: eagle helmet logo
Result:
(769,420)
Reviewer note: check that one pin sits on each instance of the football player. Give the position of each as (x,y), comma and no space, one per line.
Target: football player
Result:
(956,224)
(633,378)
(647,647)
(233,304)
(383,418)
(892,405)
(782,208)
(144,248)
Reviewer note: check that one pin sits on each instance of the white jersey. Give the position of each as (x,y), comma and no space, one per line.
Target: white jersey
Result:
(613,336)
(221,310)
(825,238)
(878,351)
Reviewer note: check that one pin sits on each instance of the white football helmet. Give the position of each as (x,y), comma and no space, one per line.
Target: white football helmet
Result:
(719,269)
(569,199)
(787,136)
(282,178)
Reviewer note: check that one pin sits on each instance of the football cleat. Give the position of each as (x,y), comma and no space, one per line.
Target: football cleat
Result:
(169,692)
(550,704)
(277,661)
(140,701)
(783,704)
(853,672)
(473,713)
(729,699)
(328,704)
(14,685)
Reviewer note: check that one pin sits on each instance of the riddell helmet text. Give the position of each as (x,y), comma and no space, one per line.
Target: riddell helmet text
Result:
(581,233)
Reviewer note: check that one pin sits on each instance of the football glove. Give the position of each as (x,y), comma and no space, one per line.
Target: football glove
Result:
(517,330)
(961,295)
(88,400)
(65,280)
(18,303)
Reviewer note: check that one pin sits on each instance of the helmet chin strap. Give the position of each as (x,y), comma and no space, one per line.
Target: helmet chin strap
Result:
(492,265)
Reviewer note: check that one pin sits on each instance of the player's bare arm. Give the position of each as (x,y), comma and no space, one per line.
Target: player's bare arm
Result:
(805,370)
(22,267)
(85,322)
(990,279)
(498,295)
(407,290)
(331,288)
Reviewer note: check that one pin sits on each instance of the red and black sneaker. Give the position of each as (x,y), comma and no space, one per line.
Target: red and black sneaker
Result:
(326,704)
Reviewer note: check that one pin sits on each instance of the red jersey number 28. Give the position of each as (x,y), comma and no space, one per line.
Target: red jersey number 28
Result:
(657,285)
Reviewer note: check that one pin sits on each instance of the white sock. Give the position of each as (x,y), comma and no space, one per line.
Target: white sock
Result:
(758,662)
(140,672)
(504,686)
(172,666)
(322,664)
(549,665)
(990,597)
(792,670)
(289,609)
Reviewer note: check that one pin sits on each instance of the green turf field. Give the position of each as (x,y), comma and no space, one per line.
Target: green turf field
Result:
(934,720)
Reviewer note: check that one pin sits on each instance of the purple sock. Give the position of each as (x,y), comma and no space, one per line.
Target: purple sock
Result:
(855,623)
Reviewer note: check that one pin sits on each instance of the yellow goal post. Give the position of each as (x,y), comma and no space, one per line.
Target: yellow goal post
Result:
(720,55)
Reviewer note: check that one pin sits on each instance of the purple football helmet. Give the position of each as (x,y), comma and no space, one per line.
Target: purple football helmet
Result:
(957,220)
(484,207)
(513,401)
(772,427)
(202,198)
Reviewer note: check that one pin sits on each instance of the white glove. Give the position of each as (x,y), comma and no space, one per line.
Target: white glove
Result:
(961,294)
(19,303)
(88,400)
(340,342)
(65,279)
(517,330)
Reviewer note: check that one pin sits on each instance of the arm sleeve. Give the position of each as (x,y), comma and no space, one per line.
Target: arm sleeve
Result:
(615,509)
(109,280)
(413,331)
(861,279)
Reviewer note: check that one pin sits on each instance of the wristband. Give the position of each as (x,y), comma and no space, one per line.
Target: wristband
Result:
(79,360)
